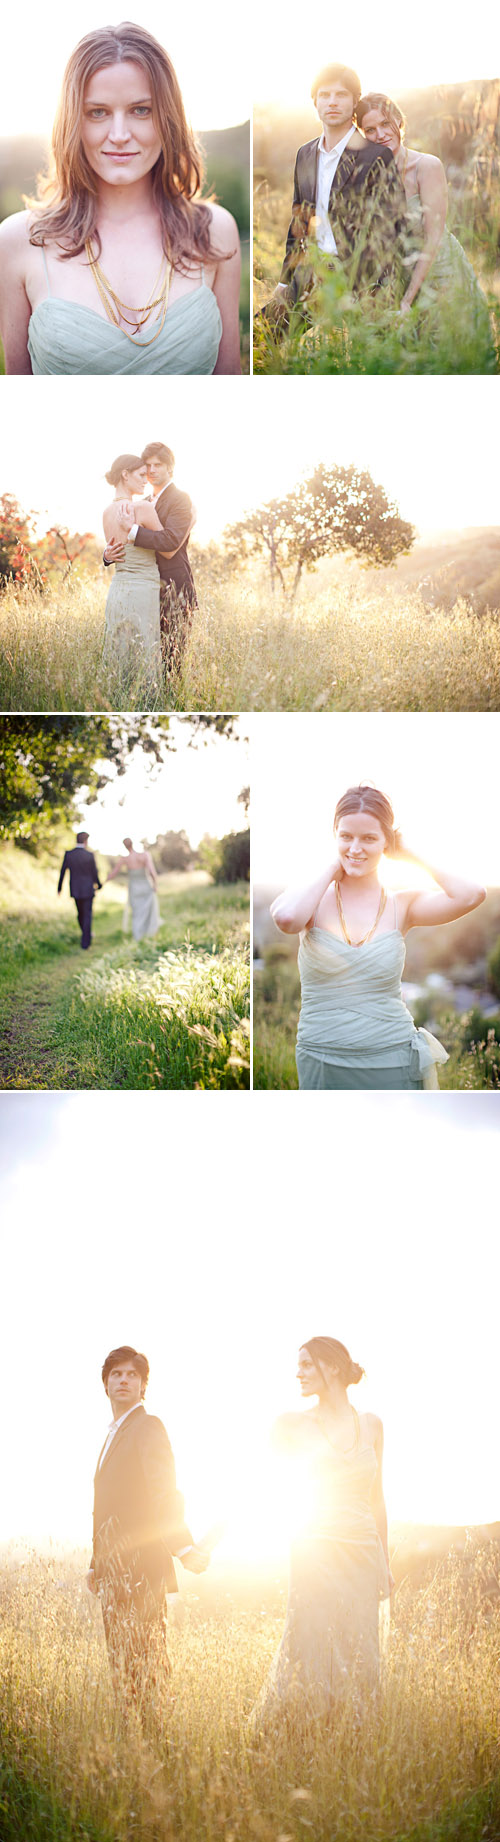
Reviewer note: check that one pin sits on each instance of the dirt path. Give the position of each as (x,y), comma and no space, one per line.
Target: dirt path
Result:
(32,1051)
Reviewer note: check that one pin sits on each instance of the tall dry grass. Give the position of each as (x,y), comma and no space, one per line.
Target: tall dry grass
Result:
(416,1762)
(355,647)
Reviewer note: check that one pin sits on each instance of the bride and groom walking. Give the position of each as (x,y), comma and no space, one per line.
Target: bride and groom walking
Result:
(84,882)
(152,595)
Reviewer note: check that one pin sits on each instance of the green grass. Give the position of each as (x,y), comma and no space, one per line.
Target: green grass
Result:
(362,646)
(344,334)
(171,1012)
(276,1005)
(420,1765)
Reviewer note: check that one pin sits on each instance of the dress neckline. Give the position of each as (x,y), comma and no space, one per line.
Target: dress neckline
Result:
(351,947)
(58,300)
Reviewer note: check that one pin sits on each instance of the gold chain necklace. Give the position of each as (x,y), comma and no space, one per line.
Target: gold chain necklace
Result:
(371,930)
(118,311)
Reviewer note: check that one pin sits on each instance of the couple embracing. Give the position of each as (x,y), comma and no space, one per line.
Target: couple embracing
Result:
(152,595)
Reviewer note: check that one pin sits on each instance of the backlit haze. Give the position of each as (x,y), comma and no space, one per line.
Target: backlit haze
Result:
(37,43)
(196,791)
(125,1220)
(433,447)
(439,772)
(410,50)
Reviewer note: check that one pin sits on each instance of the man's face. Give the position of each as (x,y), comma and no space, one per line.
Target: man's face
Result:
(158,472)
(335,105)
(124,1388)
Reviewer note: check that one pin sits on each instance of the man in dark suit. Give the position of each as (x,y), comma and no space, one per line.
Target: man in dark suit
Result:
(177,589)
(83,881)
(138,1526)
(349,191)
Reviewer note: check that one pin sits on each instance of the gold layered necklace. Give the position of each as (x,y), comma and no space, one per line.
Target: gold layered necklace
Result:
(124,316)
(371,930)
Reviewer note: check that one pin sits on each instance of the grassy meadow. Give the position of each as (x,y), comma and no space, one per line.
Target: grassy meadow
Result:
(170,1012)
(422,1764)
(342,334)
(357,645)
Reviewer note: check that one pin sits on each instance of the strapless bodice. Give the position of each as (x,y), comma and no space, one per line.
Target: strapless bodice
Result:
(352,1002)
(64,337)
(137,562)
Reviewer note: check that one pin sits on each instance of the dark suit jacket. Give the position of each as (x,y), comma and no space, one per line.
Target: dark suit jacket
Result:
(138,1511)
(366,209)
(174,511)
(83,874)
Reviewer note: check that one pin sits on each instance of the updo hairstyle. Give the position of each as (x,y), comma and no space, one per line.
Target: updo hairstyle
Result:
(369,799)
(327,1353)
(390,111)
(125,463)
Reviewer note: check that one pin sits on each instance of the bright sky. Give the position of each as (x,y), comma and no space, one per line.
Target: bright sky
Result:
(380,1230)
(440,773)
(241,441)
(412,50)
(36,45)
(196,791)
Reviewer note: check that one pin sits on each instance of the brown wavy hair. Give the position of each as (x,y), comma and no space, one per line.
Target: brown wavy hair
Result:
(68,217)
(375,99)
(125,1353)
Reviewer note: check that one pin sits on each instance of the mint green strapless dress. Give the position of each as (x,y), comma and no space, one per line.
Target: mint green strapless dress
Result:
(451,302)
(66,339)
(338,1579)
(355,1030)
(132,617)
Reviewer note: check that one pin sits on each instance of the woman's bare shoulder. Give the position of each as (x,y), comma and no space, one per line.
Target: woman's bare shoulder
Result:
(15,234)
(375,1427)
(224,228)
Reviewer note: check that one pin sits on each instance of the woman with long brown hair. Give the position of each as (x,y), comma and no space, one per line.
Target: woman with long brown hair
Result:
(355,1030)
(122,267)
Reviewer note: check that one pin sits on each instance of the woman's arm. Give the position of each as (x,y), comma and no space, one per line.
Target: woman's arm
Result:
(150,868)
(294,910)
(454,896)
(120,865)
(433,191)
(226,287)
(15,310)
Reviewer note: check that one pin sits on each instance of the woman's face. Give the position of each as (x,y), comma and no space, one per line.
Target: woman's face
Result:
(360,842)
(118,131)
(307,1373)
(135,481)
(376,127)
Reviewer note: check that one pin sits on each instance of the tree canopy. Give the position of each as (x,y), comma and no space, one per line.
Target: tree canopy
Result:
(336,509)
(46,761)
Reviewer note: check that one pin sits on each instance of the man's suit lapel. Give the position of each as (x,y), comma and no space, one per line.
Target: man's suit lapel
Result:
(117,1439)
(345,169)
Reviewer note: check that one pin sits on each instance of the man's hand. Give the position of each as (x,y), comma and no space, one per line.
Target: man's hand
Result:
(90,1581)
(115,551)
(195,1560)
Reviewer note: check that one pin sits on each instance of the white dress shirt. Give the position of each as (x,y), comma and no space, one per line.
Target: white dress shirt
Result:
(114,1429)
(134,527)
(328,161)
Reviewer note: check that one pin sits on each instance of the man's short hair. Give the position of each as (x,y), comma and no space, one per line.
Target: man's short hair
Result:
(81,837)
(158,449)
(126,1354)
(336,73)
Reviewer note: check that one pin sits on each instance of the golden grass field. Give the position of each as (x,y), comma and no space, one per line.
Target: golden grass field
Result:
(354,646)
(421,1762)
